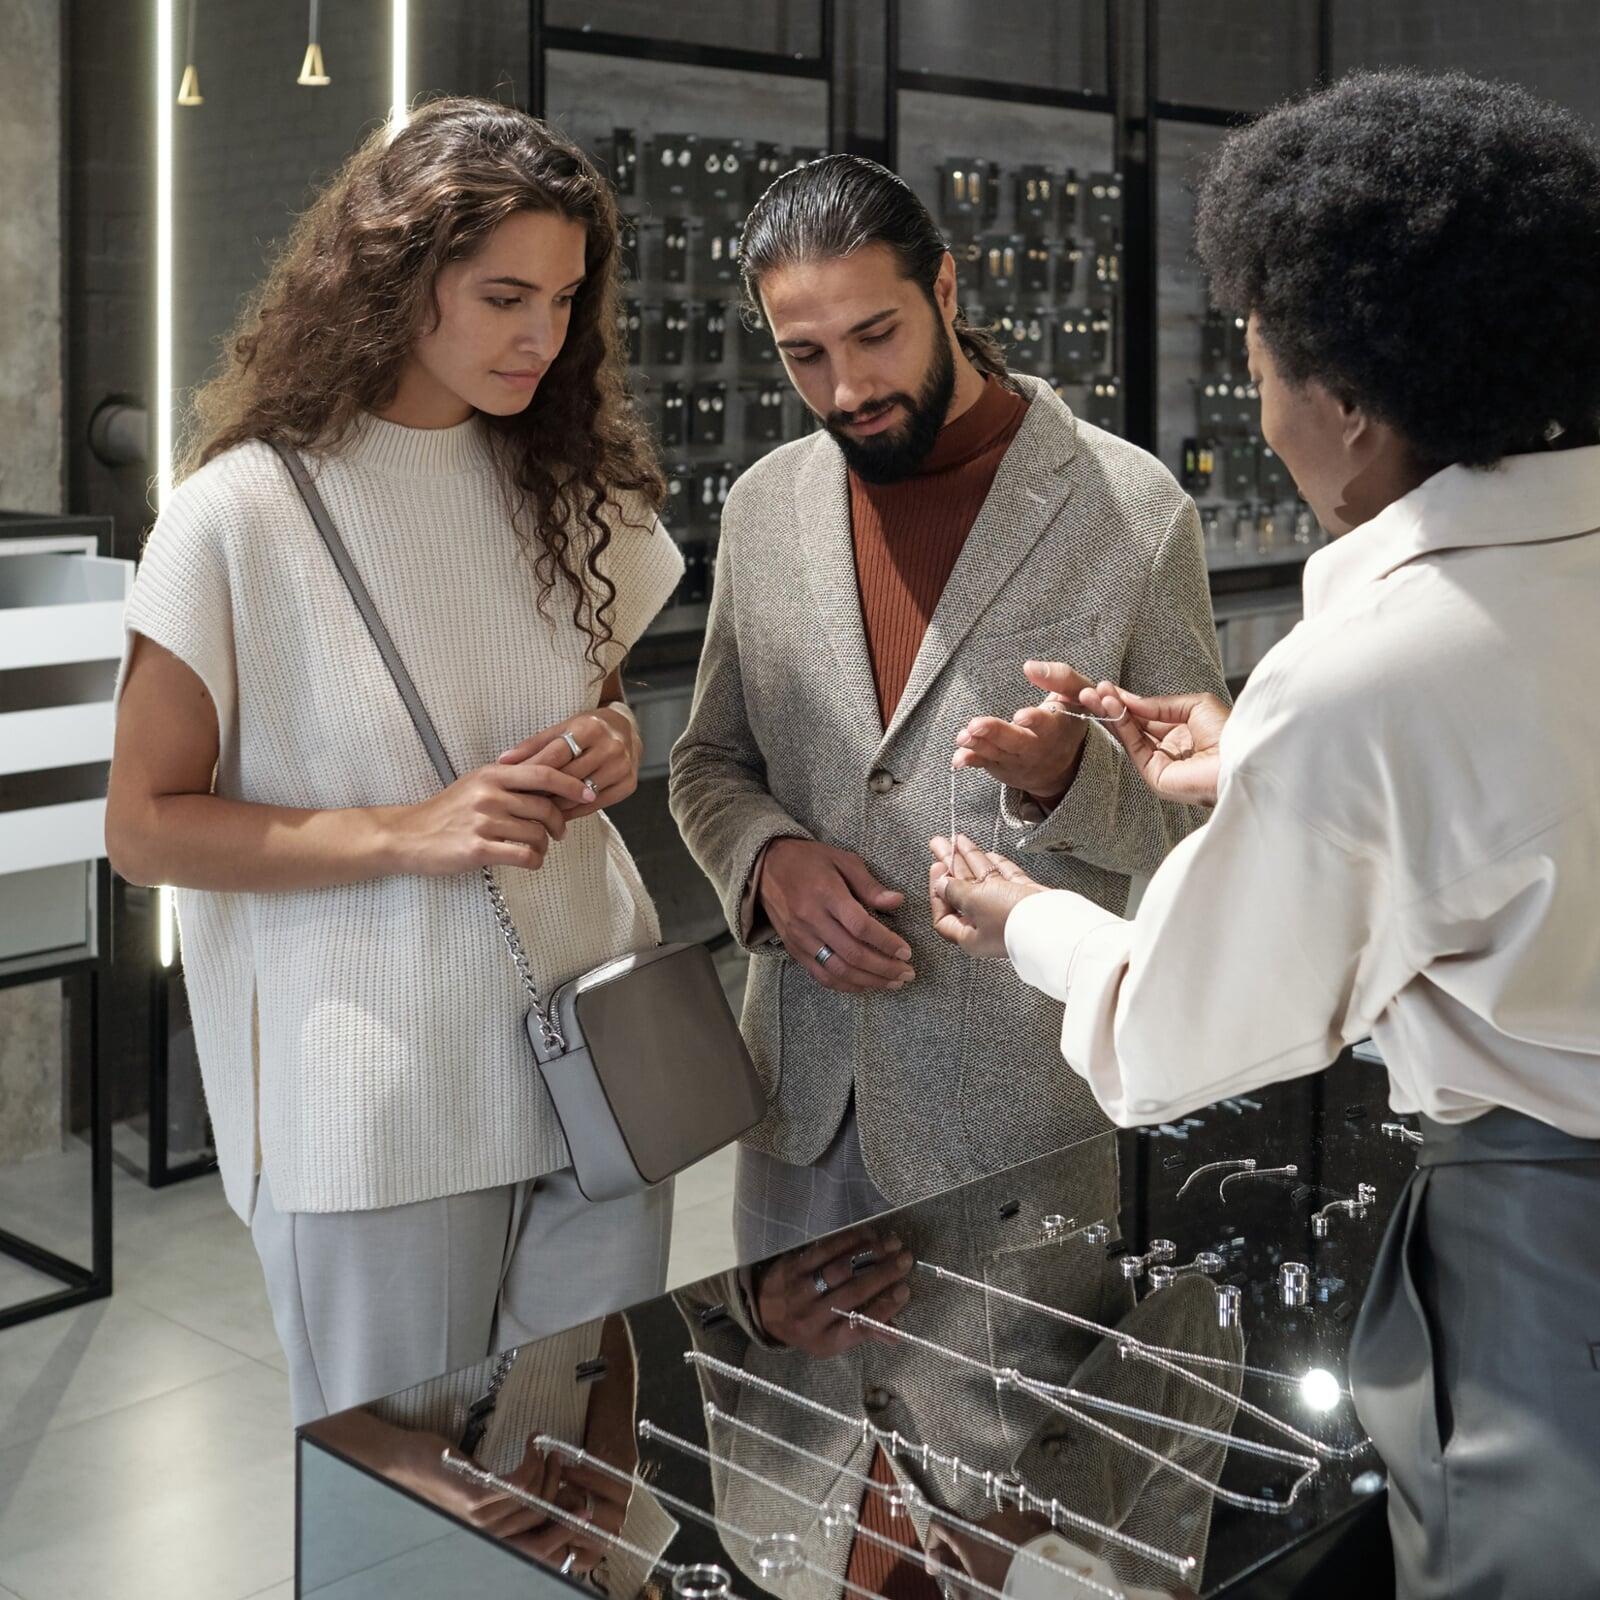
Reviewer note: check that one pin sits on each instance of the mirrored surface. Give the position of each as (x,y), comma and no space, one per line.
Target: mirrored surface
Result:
(1116,1370)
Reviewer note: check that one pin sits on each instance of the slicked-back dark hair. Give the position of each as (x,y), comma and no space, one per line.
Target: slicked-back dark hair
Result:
(1428,247)
(831,208)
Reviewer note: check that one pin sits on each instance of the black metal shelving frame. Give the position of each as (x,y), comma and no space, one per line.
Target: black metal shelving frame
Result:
(85,980)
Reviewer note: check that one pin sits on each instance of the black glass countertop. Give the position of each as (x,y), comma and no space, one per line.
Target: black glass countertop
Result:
(1120,1370)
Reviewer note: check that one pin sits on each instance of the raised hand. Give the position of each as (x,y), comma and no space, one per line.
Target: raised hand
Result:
(973,893)
(609,753)
(1172,740)
(1037,751)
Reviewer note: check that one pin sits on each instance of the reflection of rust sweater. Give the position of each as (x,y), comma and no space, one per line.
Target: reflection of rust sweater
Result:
(908,535)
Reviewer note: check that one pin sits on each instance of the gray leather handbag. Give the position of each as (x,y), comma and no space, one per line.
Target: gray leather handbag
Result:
(642,1056)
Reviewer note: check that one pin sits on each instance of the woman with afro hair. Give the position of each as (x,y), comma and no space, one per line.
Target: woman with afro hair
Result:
(1405,839)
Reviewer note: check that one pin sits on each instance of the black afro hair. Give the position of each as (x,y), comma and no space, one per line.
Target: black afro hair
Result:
(1428,247)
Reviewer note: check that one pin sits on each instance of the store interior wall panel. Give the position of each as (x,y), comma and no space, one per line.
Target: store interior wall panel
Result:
(589,95)
(1235,55)
(788,27)
(1051,44)
(1549,46)
(249,159)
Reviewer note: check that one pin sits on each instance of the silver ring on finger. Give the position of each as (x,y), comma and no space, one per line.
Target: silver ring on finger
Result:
(569,1563)
(824,956)
(573,746)
(819,1282)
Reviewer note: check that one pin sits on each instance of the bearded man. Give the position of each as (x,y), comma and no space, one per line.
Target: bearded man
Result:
(878,587)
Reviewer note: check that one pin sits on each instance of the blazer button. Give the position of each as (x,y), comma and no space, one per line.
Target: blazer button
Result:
(881,782)
(877,1398)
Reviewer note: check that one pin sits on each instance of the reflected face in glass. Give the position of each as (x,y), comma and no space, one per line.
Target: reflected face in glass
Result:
(503,318)
(868,354)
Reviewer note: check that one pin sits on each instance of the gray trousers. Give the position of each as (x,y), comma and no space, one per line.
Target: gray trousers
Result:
(370,1302)
(1476,1365)
(780,1206)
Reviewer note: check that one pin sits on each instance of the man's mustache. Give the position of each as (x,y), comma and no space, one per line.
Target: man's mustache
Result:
(845,419)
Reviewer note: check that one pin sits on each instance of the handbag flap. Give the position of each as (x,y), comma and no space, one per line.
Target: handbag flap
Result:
(669,1057)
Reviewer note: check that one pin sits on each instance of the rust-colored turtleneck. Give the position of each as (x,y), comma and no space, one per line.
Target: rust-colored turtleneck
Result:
(909,535)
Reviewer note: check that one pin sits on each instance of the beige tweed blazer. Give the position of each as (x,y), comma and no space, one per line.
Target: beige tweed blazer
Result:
(1086,551)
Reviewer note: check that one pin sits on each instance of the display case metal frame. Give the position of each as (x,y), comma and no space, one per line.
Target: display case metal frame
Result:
(88,972)
(84,975)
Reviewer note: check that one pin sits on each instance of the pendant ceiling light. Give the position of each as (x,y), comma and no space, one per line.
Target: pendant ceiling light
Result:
(189,90)
(313,75)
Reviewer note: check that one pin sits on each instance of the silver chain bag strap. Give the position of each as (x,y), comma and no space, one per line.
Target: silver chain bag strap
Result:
(641,1056)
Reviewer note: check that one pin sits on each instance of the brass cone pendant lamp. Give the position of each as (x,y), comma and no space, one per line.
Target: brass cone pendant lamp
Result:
(189,90)
(313,74)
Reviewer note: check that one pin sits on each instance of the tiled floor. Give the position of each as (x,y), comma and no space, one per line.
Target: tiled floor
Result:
(145,1448)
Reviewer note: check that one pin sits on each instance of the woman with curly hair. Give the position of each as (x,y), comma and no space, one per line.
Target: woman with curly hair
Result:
(1405,838)
(437,343)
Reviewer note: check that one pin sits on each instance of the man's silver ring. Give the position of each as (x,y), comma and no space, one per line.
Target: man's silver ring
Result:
(569,1563)
(573,746)
(824,956)
(819,1282)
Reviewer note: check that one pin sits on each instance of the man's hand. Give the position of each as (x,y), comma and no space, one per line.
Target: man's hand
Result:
(864,1270)
(1172,740)
(973,893)
(1038,750)
(815,896)
(612,750)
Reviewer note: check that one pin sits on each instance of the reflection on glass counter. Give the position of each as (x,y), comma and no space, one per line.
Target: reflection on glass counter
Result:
(1118,1370)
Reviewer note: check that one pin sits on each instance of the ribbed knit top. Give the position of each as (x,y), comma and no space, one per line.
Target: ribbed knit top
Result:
(365,1040)
(908,535)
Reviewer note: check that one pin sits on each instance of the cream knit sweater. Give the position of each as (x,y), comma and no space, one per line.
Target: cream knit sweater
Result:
(363,1045)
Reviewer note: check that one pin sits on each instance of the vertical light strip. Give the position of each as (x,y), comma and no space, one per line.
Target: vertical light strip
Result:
(166,926)
(398,64)
(161,399)
(161,396)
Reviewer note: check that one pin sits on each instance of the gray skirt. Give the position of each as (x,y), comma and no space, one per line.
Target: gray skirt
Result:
(1476,1364)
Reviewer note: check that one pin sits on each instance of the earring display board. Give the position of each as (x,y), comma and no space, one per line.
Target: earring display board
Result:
(1034,211)
(689,150)
(1208,410)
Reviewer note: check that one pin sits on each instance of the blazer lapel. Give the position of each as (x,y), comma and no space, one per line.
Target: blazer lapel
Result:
(822,498)
(1029,491)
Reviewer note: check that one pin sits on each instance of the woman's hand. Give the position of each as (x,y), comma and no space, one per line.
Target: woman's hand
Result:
(1172,740)
(610,753)
(499,816)
(973,895)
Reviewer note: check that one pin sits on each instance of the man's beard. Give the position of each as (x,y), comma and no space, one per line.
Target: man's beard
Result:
(898,452)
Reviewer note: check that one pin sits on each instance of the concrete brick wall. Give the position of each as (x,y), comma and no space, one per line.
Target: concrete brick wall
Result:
(30,256)
(110,180)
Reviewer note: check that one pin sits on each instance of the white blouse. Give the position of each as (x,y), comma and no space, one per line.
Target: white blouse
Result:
(1406,841)
(364,1041)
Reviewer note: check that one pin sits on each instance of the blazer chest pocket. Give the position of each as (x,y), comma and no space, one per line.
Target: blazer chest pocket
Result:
(995,677)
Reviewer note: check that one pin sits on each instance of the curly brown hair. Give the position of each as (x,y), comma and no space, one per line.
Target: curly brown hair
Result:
(327,335)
